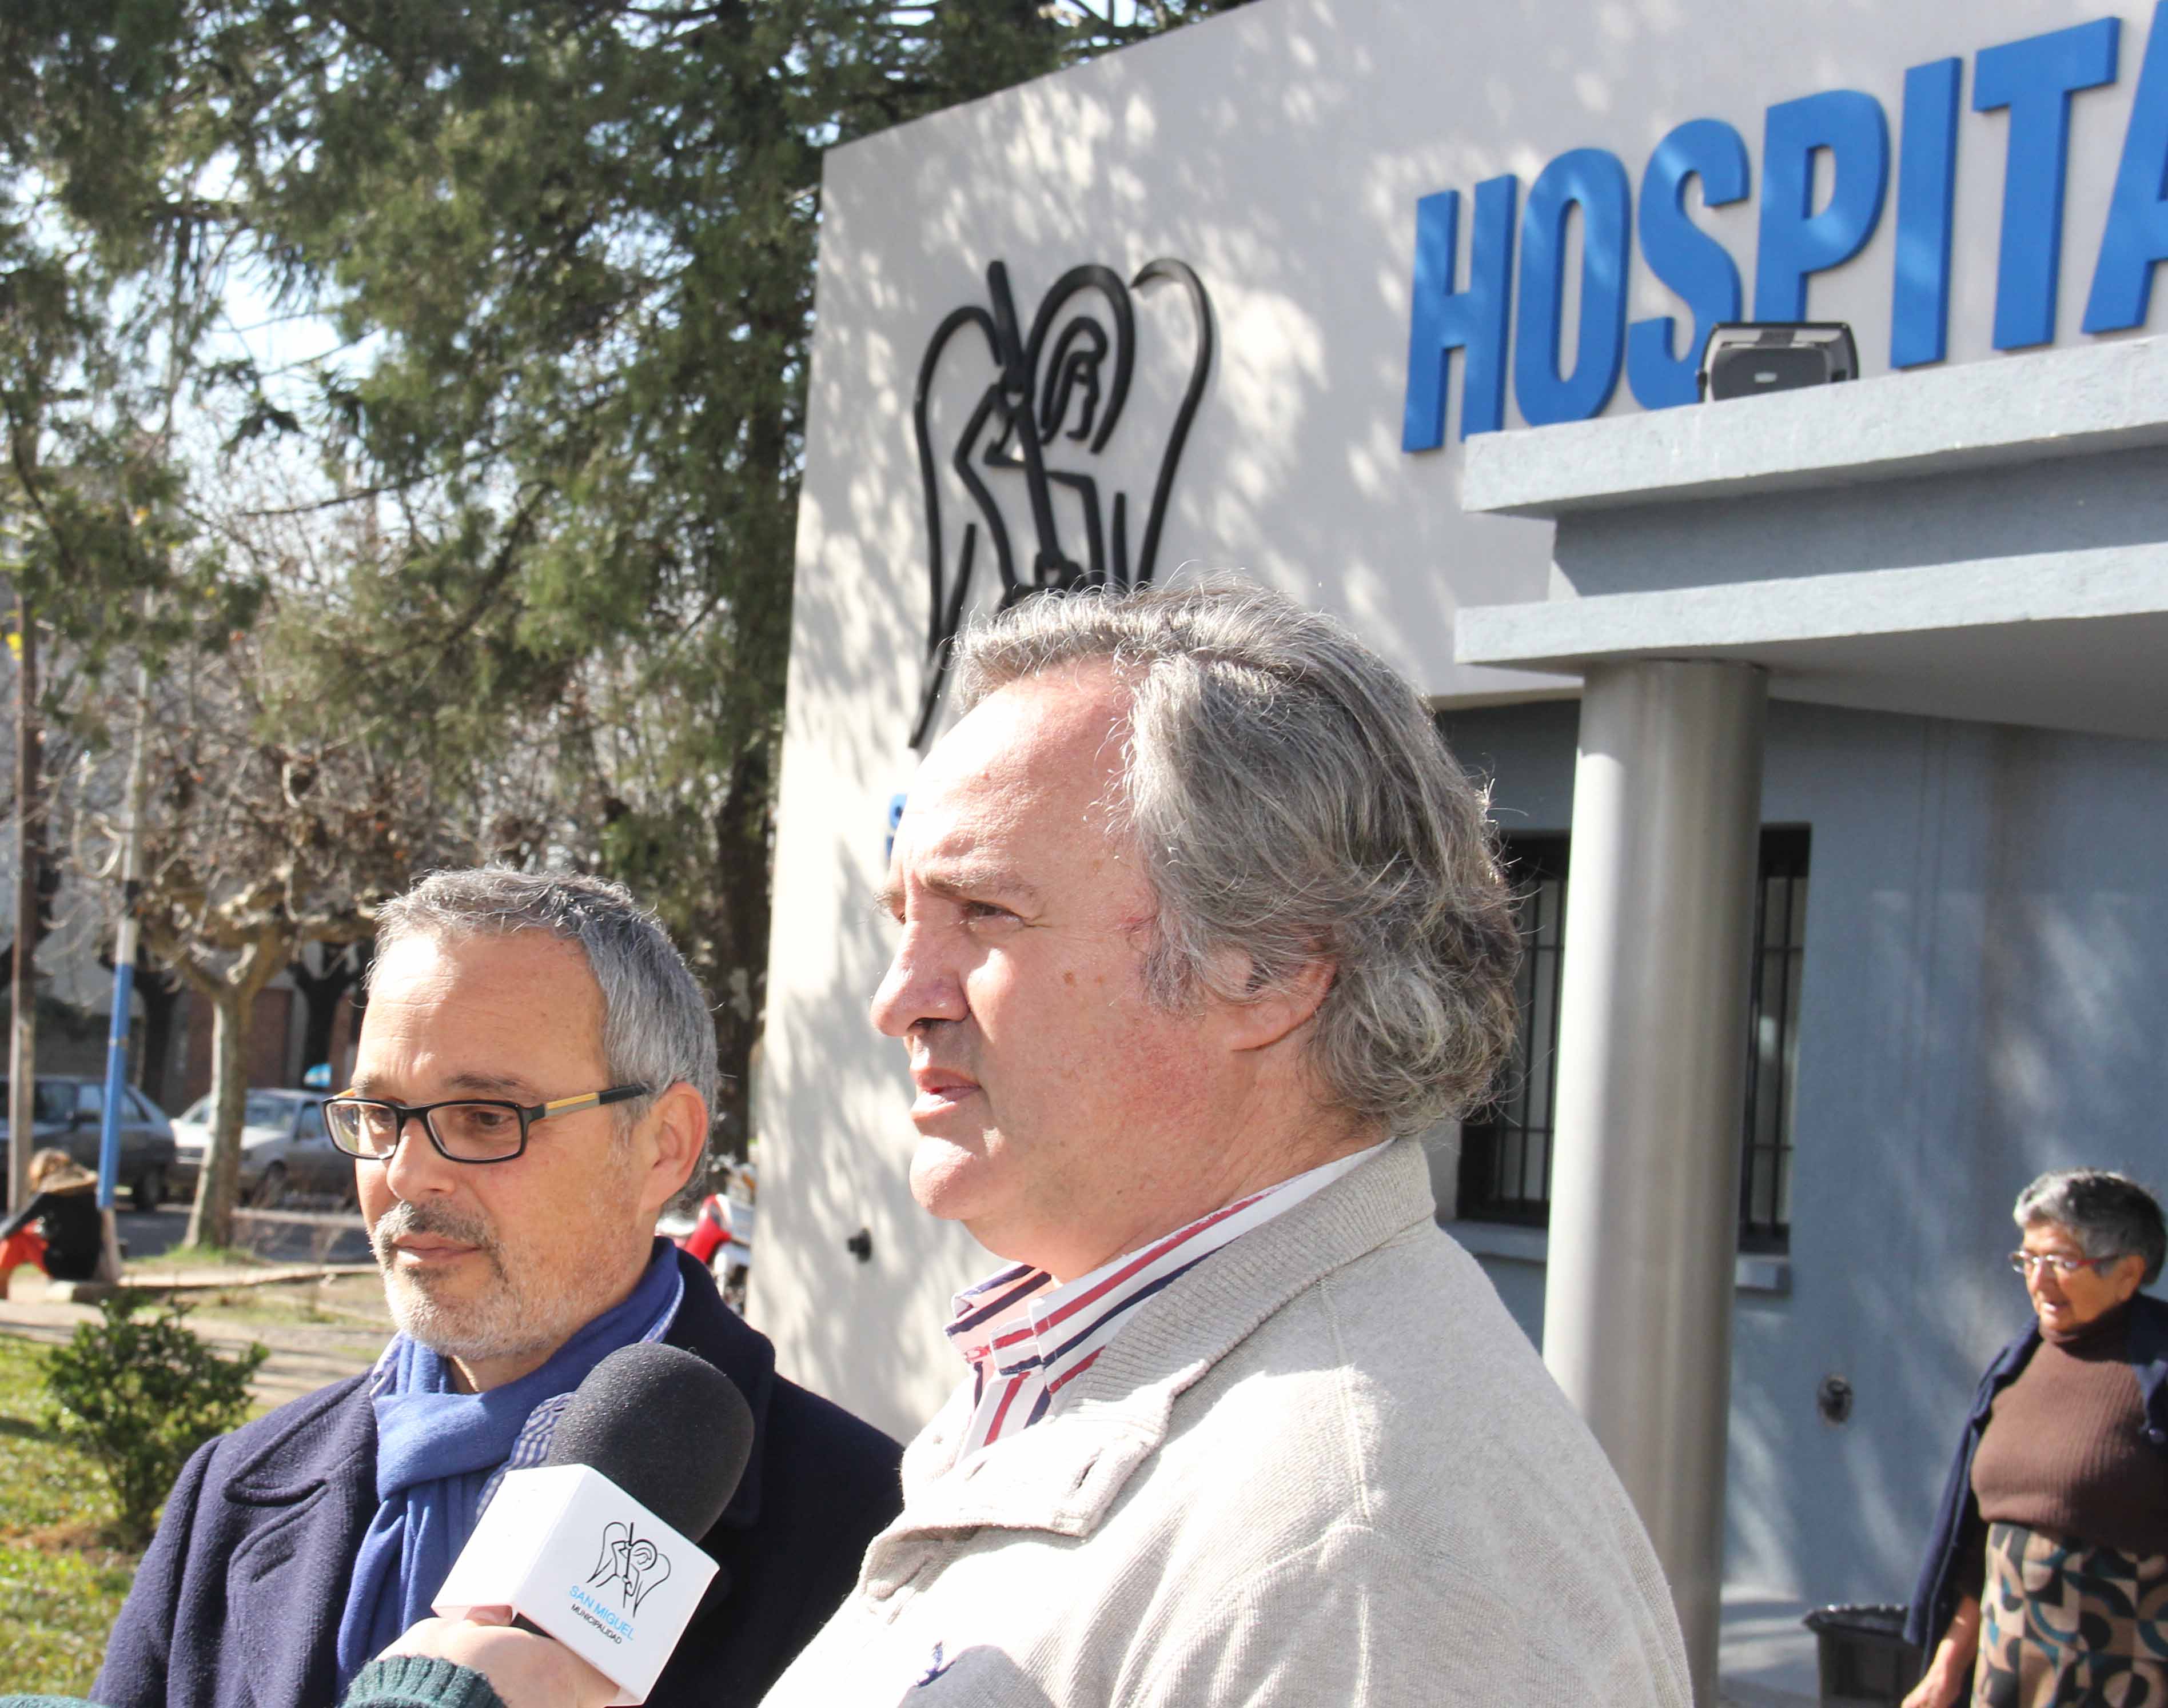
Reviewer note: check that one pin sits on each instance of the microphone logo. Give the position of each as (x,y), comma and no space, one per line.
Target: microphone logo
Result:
(632,1562)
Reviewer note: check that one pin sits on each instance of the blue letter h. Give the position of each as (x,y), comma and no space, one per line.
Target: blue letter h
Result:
(1441,320)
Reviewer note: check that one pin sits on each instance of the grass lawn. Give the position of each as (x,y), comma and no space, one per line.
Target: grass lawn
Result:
(60,1583)
(61,1579)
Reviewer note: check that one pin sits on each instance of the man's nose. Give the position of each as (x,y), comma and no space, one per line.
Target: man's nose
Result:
(920,985)
(415,1169)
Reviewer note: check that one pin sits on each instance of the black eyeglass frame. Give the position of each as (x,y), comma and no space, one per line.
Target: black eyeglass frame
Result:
(529,1114)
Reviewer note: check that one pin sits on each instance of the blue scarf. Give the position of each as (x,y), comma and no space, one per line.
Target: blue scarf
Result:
(436,1450)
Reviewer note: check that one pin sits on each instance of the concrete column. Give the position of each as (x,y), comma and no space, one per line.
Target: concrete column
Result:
(1651,1097)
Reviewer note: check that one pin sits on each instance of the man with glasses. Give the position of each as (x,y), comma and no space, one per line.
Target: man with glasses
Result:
(531,1086)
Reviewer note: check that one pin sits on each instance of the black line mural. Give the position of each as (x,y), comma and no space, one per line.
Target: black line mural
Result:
(1043,411)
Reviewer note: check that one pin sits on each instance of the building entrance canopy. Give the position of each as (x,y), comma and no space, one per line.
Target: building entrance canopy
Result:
(1985,542)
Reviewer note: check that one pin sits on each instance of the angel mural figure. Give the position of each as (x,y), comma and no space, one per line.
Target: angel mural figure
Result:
(1045,411)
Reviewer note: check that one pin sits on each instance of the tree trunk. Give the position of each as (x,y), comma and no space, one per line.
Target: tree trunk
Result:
(210,1222)
(734,1039)
(232,992)
(320,995)
(742,850)
(160,994)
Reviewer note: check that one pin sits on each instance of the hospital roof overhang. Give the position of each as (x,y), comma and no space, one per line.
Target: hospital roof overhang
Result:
(1988,541)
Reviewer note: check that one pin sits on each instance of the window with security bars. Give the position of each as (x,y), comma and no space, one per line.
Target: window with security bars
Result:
(1506,1148)
(1772,1040)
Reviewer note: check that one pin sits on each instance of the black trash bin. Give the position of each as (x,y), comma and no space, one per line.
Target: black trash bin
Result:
(1864,1660)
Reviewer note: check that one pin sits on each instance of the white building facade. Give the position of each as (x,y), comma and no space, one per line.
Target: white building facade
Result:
(1849,845)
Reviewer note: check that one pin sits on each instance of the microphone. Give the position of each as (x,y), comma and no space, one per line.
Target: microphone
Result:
(598,1546)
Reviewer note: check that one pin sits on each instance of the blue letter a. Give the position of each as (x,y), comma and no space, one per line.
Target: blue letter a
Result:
(2137,235)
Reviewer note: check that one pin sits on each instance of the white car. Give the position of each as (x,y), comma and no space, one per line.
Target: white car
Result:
(284,1147)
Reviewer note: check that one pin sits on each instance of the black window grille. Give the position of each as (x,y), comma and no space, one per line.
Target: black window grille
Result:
(1506,1148)
(1772,1040)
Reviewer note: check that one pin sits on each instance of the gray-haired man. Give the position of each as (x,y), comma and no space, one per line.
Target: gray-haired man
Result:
(1199,922)
(1196,914)
(531,1086)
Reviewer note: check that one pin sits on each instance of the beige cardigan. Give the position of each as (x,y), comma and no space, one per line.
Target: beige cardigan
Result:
(1323,1468)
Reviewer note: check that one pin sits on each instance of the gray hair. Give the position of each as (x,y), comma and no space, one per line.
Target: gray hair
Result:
(2109,1215)
(1294,801)
(656,1029)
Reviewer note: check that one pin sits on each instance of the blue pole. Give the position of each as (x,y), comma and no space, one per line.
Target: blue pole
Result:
(116,1078)
(124,940)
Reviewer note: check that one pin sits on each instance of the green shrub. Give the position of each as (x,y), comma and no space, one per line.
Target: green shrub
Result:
(137,1397)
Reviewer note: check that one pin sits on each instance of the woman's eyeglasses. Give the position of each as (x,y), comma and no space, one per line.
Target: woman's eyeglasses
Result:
(2026,1262)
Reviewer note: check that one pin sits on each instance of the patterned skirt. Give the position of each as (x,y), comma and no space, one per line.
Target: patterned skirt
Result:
(2066,1625)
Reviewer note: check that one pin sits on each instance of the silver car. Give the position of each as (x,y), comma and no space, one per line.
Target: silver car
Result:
(284,1147)
(69,1113)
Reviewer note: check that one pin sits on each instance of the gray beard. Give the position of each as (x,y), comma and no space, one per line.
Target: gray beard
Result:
(503,1322)
(531,1304)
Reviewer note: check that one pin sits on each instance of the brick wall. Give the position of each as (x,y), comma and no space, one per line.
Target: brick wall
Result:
(264,1053)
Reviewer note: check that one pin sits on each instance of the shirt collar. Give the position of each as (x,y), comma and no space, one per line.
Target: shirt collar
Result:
(1025,1335)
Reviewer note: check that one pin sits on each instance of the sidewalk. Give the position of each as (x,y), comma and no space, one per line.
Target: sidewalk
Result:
(304,1356)
(1767,1656)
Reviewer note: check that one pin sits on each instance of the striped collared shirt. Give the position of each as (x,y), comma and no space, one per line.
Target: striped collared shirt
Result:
(1026,1338)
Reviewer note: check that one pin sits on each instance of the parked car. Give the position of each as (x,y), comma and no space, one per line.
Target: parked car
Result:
(284,1147)
(68,1114)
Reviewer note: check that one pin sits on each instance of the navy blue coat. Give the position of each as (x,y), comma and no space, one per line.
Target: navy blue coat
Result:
(236,1605)
(1936,1596)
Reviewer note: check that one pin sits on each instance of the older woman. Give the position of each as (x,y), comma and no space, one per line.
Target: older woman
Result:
(2048,1579)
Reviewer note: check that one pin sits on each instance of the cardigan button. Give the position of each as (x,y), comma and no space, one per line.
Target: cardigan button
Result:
(2156,1434)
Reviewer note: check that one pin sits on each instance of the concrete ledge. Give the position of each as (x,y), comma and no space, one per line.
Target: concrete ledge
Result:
(78,1292)
(220,1281)
(1756,1272)
(2110,581)
(200,1280)
(302,1219)
(2050,403)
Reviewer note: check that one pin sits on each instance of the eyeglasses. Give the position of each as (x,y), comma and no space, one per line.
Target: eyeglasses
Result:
(2026,1262)
(463,1129)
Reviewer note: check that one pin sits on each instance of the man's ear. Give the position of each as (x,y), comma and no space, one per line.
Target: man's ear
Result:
(1267,1013)
(677,1130)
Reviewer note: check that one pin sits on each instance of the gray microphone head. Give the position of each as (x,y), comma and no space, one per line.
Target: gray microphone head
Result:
(669,1429)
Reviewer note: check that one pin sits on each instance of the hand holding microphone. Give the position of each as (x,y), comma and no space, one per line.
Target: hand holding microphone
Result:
(598,1547)
(526,1669)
